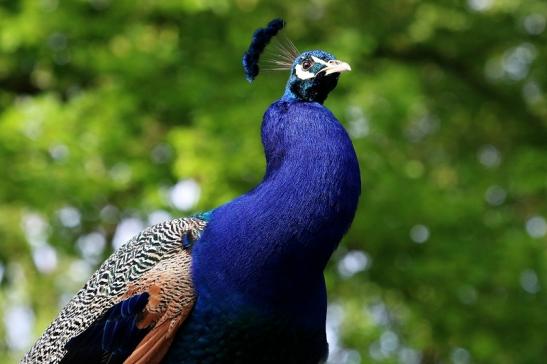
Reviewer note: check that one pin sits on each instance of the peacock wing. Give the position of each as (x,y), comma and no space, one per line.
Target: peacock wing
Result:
(138,297)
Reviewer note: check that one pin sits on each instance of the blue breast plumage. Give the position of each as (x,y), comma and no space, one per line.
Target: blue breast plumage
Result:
(259,262)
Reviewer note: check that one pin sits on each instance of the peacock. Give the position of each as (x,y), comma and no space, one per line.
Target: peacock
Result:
(242,283)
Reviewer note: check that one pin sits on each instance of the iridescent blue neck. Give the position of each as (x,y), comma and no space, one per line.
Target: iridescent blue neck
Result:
(314,89)
(289,95)
(267,249)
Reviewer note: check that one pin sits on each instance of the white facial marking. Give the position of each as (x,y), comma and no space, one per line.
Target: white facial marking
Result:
(301,74)
(318,60)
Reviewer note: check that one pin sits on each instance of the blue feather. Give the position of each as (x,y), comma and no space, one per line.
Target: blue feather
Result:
(261,38)
(113,336)
(120,334)
(258,265)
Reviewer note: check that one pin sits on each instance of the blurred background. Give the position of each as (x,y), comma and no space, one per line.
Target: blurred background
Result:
(115,115)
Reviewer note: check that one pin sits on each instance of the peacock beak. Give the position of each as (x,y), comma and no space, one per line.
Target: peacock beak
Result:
(336,66)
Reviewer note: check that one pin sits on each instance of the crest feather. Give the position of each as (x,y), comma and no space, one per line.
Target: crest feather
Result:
(261,38)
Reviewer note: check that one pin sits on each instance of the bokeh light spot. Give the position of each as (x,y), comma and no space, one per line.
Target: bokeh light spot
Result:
(534,23)
(18,321)
(353,262)
(91,246)
(419,233)
(479,5)
(158,216)
(489,156)
(69,216)
(536,227)
(125,230)
(460,356)
(45,258)
(529,281)
(495,195)
(414,169)
(185,194)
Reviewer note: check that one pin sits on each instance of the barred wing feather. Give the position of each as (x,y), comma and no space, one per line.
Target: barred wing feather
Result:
(156,262)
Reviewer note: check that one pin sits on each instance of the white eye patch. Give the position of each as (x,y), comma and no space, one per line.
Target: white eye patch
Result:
(306,75)
(319,60)
(301,74)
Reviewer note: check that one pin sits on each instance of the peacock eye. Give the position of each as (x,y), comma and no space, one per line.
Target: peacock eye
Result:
(306,64)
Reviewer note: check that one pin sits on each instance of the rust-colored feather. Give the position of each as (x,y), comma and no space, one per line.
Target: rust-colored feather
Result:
(171,299)
(125,269)
(155,345)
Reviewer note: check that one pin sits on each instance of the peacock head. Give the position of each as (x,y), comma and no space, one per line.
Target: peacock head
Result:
(313,74)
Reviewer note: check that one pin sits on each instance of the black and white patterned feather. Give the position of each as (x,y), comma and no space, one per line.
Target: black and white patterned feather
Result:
(110,282)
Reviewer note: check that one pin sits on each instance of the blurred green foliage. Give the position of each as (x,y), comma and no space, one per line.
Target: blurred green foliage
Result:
(105,105)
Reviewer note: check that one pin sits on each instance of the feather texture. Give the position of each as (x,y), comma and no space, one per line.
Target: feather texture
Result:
(261,38)
(113,282)
(171,299)
(281,56)
(258,267)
